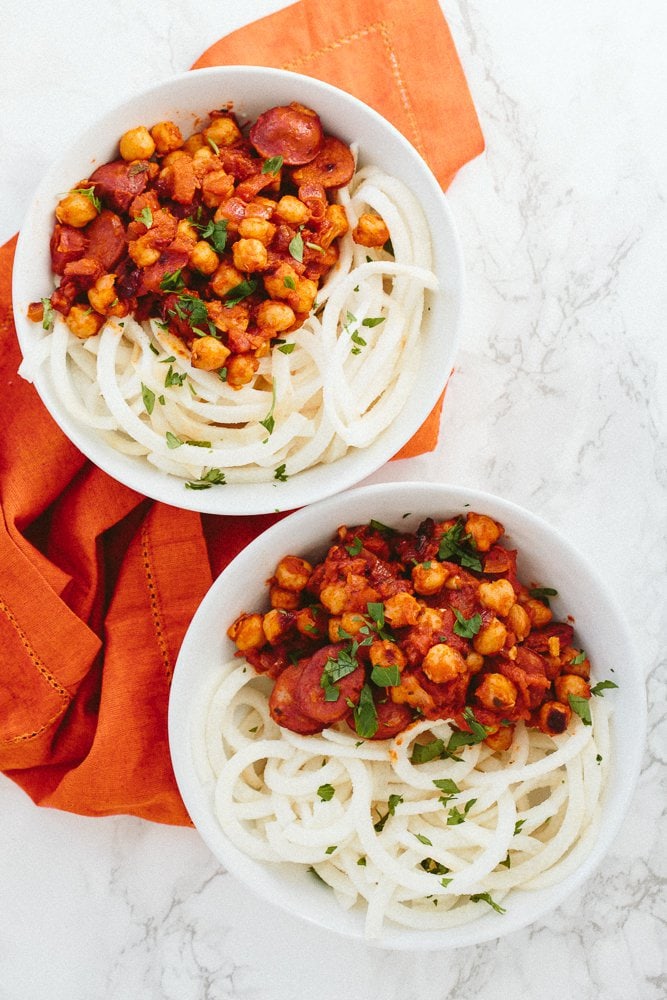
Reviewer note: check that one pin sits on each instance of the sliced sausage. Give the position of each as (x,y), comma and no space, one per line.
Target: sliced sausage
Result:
(106,236)
(292,132)
(332,167)
(284,708)
(310,693)
(116,184)
(67,244)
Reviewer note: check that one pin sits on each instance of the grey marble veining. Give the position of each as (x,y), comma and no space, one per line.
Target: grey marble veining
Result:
(557,402)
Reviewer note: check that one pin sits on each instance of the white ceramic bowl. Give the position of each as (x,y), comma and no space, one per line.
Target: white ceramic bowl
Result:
(544,555)
(251,89)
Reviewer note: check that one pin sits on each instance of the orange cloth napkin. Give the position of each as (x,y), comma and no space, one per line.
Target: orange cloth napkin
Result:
(97,583)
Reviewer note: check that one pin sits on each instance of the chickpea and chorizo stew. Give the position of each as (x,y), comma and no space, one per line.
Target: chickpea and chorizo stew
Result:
(391,627)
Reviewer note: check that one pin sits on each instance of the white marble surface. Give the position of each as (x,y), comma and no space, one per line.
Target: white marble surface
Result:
(558,403)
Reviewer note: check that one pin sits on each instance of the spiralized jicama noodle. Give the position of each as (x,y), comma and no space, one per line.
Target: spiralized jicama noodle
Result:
(337,383)
(428,845)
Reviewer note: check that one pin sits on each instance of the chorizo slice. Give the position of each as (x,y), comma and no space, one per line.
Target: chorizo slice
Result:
(311,694)
(392,719)
(292,132)
(169,262)
(332,167)
(106,236)
(67,244)
(284,708)
(117,184)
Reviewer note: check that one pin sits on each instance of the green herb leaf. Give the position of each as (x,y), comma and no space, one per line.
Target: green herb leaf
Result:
(456,817)
(543,594)
(517,826)
(373,320)
(582,707)
(212,144)
(602,686)
(215,233)
(314,246)
(148,397)
(447,785)
(272,165)
(174,378)
(423,839)
(145,216)
(289,282)
(467,627)
(172,281)
(579,658)
(296,247)
(386,676)
(49,315)
(355,548)
(240,292)
(268,422)
(394,800)
(422,753)
(434,867)
(280,473)
(286,348)
(362,862)
(459,547)
(173,441)
(89,193)
(485,897)
(383,529)
(365,715)
(326,792)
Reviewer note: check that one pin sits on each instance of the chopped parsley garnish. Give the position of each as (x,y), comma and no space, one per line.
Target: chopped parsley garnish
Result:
(145,216)
(89,193)
(436,749)
(192,310)
(392,802)
(296,247)
(272,165)
(280,473)
(434,867)
(148,397)
(214,477)
(362,862)
(543,594)
(485,897)
(456,816)
(240,292)
(579,658)
(602,686)
(215,233)
(286,348)
(373,321)
(383,529)
(314,246)
(517,826)
(355,548)
(582,707)
(423,839)
(326,792)
(269,421)
(365,715)
(173,441)
(49,315)
(386,676)
(174,378)
(467,627)
(459,547)
(449,789)
(172,281)
(289,282)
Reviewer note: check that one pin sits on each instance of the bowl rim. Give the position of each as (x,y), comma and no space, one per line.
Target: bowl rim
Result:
(488,926)
(317,482)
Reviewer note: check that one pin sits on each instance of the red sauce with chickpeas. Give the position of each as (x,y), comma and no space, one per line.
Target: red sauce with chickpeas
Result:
(390,627)
(223,236)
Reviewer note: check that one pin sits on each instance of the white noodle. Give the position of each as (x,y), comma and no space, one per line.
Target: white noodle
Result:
(341,386)
(535,806)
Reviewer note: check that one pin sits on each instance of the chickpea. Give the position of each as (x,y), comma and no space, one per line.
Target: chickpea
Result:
(310,623)
(194,142)
(249,255)
(553,643)
(519,622)
(474,662)
(241,369)
(443,663)
(167,137)
(336,216)
(281,283)
(103,297)
(293,573)
(484,530)
(334,598)
(137,144)
(410,692)
(217,186)
(582,669)
(498,596)
(538,612)
(142,251)
(496,691)
(292,211)
(431,618)
(76,209)
(304,295)
(286,600)
(208,354)
(247,632)
(276,625)
(222,131)
(429,577)
(254,228)
(351,623)
(491,638)
(204,258)
(401,609)
(370,231)
(383,653)
(553,717)
(335,629)
(224,279)
(274,316)
(571,684)
(83,322)
(500,740)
